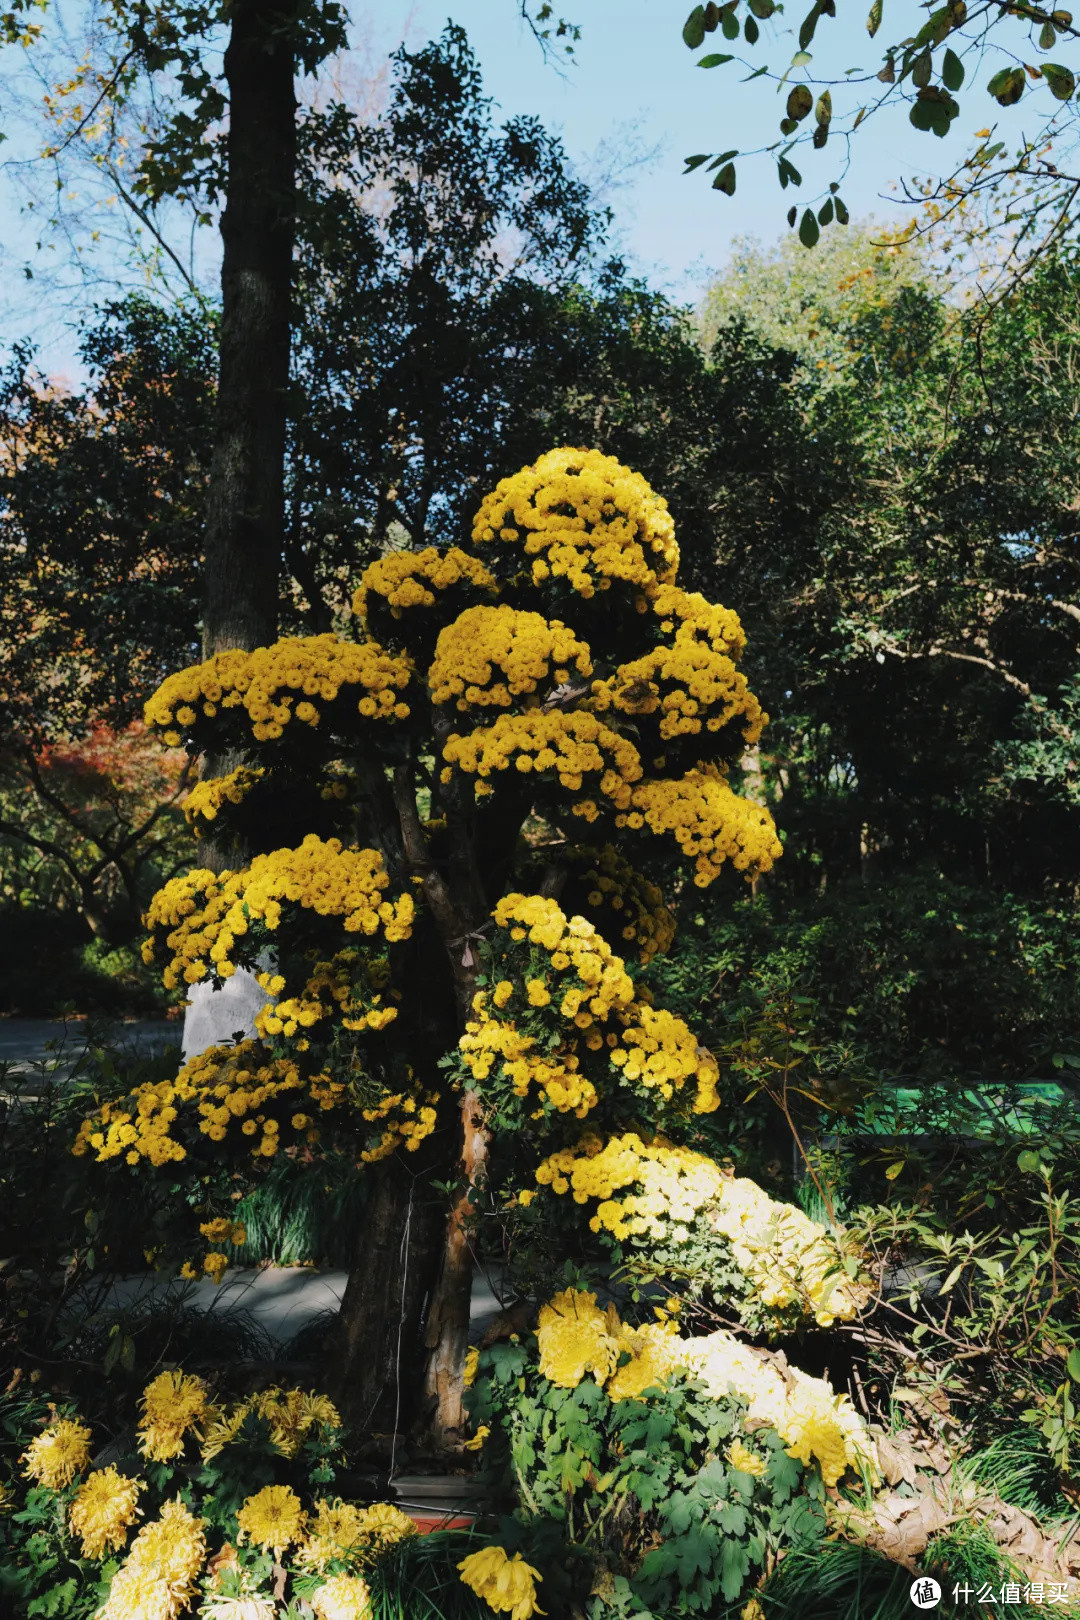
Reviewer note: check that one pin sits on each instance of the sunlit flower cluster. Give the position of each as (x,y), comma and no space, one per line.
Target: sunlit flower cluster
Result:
(406,1118)
(106,1505)
(285,682)
(689,688)
(200,916)
(642,916)
(815,1424)
(526,650)
(575,1339)
(582,517)
(173,1404)
(58,1453)
(507,1585)
(655,1192)
(709,821)
(340,1531)
(693,618)
(555,1076)
(411,579)
(158,1578)
(658,1050)
(591,980)
(206,798)
(342,1597)
(574,746)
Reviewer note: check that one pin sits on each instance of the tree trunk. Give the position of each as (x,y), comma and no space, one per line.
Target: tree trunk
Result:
(245,501)
(378,1348)
(447,1333)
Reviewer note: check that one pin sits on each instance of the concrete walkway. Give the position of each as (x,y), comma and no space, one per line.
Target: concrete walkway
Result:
(27,1043)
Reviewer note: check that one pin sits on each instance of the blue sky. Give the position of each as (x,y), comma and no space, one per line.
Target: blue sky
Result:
(633,87)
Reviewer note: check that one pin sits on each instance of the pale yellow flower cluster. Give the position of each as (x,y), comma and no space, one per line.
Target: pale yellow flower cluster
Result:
(584,518)
(670,1194)
(638,903)
(277,684)
(507,1585)
(105,1506)
(693,618)
(202,914)
(574,746)
(173,1404)
(709,821)
(205,799)
(58,1453)
(157,1580)
(575,1338)
(689,687)
(410,579)
(528,650)
(342,1597)
(340,1530)
(815,1424)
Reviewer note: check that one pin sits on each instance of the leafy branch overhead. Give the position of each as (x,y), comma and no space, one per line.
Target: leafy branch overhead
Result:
(939,63)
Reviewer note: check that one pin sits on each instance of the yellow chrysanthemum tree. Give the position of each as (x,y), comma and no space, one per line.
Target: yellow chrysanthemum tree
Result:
(464,823)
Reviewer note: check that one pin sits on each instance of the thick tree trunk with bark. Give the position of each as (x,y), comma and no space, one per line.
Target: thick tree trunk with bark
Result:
(377,1366)
(245,503)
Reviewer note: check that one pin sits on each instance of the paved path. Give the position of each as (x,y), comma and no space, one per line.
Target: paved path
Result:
(26,1043)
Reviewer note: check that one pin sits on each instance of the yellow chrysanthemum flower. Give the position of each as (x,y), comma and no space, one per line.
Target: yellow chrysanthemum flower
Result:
(158,1578)
(105,1506)
(507,1585)
(342,1597)
(172,1403)
(272,1519)
(58,1453)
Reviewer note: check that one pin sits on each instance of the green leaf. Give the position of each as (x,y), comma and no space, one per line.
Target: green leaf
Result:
(715,59)
(823,110)
(695,162)
(762,9)
(792,215)
(808,26)
(789,174)
(952,71)
(842,215)
(734,1563)
(729,25)
(799,102)
(1007,86)
(1047,37)
(921,69)
(694,28)
(873,21)
(725,180)
(808,235)
(1028,1162)
(825,212)
(1061,81)
(897,1165)
(801,59)
(1072,1364)
(751,30)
